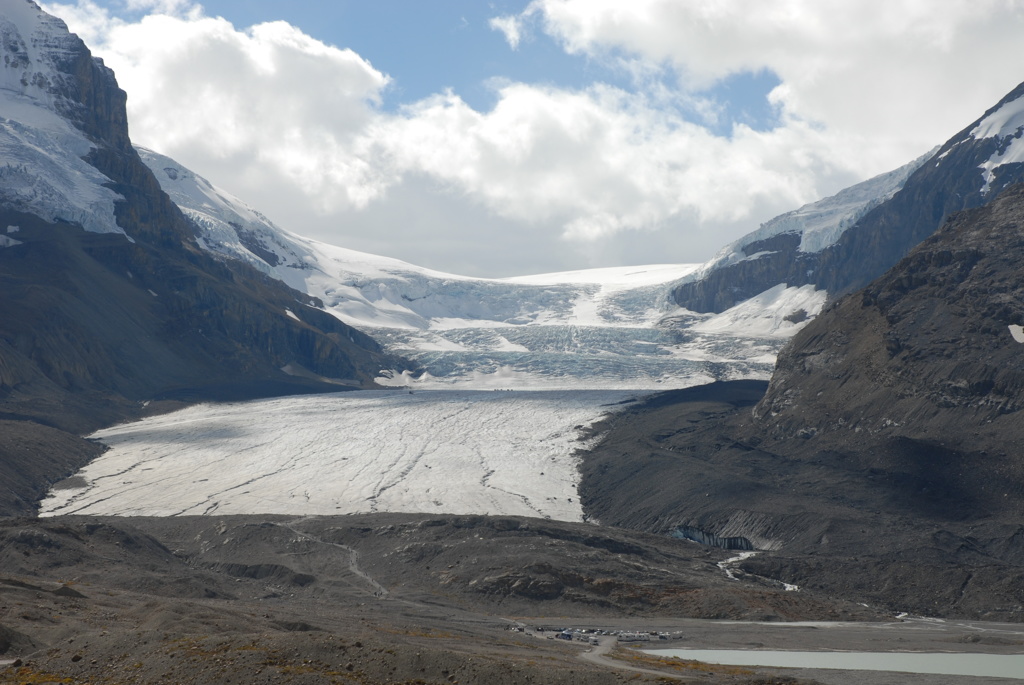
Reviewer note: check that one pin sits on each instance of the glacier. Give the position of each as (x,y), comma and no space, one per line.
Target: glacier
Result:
(378,450)
(612,328)
(512,372)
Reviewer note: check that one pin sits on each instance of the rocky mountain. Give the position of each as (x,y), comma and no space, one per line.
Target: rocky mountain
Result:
(107,303)
(887,441)
(929,354)
(842,243)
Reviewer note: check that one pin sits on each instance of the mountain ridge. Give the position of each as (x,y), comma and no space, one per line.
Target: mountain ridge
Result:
(967,171)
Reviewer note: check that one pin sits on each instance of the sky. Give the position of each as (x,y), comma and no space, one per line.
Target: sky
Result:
(510,137)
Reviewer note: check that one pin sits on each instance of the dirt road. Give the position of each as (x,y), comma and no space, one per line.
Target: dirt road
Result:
(598,655)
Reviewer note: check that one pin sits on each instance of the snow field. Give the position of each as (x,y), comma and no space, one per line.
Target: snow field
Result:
(613,328)
(765,315)
(456,452)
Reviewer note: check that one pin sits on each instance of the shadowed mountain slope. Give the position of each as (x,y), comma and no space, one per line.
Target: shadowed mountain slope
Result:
(106,302)
(883,462)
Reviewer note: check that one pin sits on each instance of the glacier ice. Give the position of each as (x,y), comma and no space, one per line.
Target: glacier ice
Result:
(434,451)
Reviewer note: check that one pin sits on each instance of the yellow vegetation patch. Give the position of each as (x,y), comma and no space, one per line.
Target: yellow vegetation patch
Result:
(634,658)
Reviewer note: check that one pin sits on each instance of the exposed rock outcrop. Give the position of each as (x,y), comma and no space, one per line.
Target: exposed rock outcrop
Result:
(923,354)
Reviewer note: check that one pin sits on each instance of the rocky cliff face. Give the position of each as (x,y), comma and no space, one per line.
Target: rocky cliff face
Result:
(969,170)
(884,460)
(96,322)
(927,352)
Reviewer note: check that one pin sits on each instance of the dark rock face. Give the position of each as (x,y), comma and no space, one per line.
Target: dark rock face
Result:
(30,456)
(949,182)
(883,462)
(728,286)
(923,354)
(92,325)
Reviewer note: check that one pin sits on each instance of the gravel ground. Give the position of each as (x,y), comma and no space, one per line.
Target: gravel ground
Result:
(400,599)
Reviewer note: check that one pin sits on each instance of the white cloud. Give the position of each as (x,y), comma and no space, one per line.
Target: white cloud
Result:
(902,74)
(271,99)
(511,27)
(599,161)
(294,126)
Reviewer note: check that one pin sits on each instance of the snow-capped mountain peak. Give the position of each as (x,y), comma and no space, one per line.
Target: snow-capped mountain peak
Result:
(34,44)
(818,224)
(841,243)
(41,147)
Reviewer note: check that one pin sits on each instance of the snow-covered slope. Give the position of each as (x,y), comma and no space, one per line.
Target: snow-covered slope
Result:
(818,224)
(41,167)
(1005,125)
(777,312)
(612,327)
(373,291)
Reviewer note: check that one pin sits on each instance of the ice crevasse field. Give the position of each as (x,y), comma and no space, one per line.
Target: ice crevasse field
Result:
(509,375)
(484,430)
(450,451)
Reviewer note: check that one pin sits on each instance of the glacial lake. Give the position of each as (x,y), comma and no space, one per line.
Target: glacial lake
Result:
(937,663)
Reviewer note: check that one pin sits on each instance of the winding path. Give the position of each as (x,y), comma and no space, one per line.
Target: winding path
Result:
(598,655)
(379,590)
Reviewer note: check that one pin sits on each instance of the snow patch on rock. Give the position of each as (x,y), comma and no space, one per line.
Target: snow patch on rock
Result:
(1007,124)
(777,312)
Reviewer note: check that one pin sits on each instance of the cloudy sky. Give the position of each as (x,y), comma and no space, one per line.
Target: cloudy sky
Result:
(512,137)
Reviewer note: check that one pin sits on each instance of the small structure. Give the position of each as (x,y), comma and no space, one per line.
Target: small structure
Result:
(634,637)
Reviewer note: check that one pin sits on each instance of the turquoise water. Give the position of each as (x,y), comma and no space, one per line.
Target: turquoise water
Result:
(990,665)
